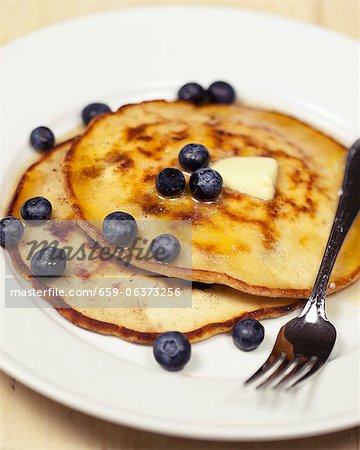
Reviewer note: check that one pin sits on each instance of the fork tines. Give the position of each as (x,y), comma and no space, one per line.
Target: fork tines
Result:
(281,370)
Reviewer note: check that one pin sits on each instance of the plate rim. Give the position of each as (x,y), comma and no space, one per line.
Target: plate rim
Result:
(156,425)
(175,6)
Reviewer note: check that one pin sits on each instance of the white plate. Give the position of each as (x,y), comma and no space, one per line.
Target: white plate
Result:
(143,53)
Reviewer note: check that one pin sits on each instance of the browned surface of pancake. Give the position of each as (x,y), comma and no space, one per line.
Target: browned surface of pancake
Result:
(267,248)
(214,310)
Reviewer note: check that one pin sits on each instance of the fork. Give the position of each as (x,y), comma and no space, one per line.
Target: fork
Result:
(304,344)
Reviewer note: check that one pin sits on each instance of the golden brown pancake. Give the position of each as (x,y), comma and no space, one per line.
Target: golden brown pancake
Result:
(213,311)
(271,248)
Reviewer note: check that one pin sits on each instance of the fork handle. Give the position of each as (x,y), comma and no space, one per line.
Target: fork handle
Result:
(347,211)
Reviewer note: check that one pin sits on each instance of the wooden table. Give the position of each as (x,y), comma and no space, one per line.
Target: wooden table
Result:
(30,421)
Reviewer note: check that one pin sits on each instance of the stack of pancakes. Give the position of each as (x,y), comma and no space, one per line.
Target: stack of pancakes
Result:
(258,258)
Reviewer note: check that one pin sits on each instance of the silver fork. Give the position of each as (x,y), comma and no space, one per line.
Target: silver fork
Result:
(304,344)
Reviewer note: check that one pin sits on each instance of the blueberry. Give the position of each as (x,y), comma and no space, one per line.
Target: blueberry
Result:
(48,262)
(36,209)
(206,184)
(170,182)
(165,248)
(172,350)
(193,93)
(221,92)
(93,110)
(193,157)
(248,334)
(120,228)
(42,139)
(11,231)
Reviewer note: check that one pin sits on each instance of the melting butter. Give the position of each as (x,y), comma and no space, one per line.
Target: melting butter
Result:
(251,175)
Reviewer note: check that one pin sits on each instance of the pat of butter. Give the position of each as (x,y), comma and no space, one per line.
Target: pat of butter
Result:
(251,175)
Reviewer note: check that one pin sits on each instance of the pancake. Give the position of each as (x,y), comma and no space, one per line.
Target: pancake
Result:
(214,309)
(271,248)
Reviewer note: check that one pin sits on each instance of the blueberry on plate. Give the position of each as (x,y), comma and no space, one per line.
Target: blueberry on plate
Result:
(36,209)
(170,182)
(48,262)
(221,92)
(120,228)
(248,334)
(205,184)
(193,157)
(193,93)
(11,231)
(93,110)
(42,139)
(165,248)
(172,350)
